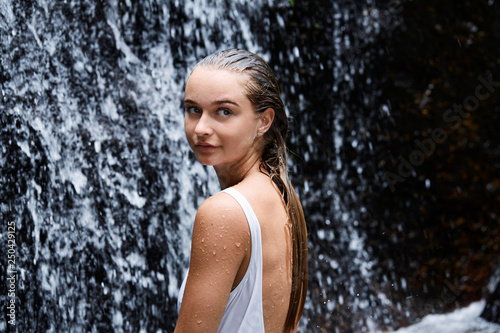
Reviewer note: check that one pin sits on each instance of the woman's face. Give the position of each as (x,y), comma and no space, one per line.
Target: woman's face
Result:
(220,122)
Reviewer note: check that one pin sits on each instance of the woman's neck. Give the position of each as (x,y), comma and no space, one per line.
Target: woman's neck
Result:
(230,175)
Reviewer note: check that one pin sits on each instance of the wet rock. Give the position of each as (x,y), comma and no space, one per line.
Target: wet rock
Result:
(491,311)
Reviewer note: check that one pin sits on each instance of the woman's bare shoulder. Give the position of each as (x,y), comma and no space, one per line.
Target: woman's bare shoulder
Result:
(223,212)
(219,245)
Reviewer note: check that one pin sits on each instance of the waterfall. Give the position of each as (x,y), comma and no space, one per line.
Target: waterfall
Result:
(96,173)
(98,186)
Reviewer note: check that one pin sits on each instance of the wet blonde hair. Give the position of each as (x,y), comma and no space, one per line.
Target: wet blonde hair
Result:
(262,89)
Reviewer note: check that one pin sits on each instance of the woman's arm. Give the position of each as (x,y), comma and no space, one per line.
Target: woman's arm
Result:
(221,240)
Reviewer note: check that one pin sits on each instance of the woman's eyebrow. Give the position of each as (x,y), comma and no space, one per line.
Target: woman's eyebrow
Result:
(188,101)
(225,101)
(217,102)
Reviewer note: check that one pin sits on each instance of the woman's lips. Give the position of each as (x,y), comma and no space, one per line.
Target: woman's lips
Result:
(205,147)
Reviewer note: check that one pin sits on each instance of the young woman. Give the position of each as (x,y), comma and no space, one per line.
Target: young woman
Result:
(248,268)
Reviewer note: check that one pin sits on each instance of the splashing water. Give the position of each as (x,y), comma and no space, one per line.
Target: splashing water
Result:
(102,186)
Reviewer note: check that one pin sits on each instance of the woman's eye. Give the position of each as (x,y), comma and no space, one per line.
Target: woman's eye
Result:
(223,112)
(193,110)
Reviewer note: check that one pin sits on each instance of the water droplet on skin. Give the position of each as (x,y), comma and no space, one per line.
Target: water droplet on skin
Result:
(199,321)
(223,216)
(213,252)
(203,240)
(238,244)
(225,247)
(220,235)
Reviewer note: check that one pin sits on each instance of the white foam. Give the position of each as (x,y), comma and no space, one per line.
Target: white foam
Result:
(463,320)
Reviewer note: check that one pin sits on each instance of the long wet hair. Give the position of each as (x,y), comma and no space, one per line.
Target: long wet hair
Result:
(263,91)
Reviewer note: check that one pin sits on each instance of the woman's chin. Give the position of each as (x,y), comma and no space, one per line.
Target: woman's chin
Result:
(205,161)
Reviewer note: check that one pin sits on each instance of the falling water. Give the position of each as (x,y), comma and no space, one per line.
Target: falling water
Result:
(95,168)
(101,184)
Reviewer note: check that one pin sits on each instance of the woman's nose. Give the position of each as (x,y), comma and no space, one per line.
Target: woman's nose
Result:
(203,127)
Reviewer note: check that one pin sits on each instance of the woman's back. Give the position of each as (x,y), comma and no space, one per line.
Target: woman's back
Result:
(276,247)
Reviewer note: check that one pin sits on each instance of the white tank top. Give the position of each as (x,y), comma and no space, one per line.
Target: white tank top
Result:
(243,311)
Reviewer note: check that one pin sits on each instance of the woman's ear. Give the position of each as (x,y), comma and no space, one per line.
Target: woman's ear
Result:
(266,120)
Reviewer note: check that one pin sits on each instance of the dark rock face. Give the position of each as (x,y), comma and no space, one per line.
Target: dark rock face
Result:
(395,162)
(401,195)
(491,311)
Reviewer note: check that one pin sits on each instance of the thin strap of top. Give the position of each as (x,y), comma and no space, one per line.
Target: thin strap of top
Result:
(244,311)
